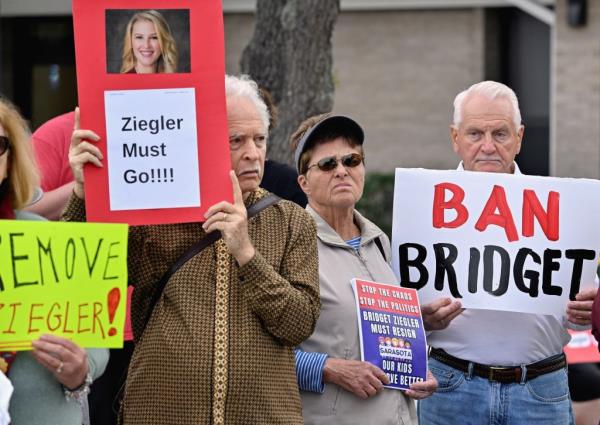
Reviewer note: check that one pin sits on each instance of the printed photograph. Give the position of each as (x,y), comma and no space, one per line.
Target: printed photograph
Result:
(147,41)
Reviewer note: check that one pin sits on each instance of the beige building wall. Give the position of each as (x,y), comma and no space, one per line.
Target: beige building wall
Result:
(576,106)
(239,28)
(397,73)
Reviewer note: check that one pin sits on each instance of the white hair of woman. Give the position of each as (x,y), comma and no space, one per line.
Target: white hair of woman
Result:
(492,90)
(244,86)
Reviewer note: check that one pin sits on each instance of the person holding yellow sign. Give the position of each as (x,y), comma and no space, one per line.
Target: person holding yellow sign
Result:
(50,382)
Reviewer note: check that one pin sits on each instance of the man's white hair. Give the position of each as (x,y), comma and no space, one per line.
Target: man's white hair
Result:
(244,86)
(492,90)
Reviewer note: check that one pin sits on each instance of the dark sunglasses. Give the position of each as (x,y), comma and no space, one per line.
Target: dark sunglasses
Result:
(331,162)
(4,144)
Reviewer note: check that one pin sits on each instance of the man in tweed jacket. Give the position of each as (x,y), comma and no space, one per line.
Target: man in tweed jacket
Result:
(218,346)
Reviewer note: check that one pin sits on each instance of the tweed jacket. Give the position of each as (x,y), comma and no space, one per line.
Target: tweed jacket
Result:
(273,306)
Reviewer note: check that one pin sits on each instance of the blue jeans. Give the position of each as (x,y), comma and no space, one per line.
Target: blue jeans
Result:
(467,399)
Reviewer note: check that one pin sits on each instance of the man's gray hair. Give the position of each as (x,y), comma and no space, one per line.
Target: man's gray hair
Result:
(244,86)
(492,90)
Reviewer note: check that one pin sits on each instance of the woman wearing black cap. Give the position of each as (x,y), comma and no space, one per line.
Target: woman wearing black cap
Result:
(336,386)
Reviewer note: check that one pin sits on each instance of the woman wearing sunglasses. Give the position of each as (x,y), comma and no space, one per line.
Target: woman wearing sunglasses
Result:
(50,380)
(336,386)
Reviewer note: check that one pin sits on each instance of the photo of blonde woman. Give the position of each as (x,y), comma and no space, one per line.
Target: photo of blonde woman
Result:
(147,41)
(148,45)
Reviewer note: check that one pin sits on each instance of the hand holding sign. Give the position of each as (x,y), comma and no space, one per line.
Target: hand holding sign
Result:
(579,311)
(421,390)
(66,360)
(438,314)
(232,221)
(363,379)
(82,152)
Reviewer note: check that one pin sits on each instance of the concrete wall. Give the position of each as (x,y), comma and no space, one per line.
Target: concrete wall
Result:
(397,73)
(576,97)
(239,28)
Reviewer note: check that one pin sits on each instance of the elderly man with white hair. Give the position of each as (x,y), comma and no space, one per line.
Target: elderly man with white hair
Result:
(496,367)
(217,348)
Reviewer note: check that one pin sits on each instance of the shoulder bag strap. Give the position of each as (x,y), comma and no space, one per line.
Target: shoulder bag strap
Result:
(380,247)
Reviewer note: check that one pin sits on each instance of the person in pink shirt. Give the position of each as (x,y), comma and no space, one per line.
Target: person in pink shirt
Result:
(51,143)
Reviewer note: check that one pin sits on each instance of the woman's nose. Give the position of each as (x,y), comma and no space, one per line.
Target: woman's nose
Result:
(339,169)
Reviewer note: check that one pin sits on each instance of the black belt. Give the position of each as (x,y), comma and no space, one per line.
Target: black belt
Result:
(503,374)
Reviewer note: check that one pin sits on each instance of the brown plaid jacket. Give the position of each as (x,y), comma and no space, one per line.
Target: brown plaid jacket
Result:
(273,306)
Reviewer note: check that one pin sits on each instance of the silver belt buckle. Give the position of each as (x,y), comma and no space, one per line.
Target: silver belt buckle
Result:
(491,372)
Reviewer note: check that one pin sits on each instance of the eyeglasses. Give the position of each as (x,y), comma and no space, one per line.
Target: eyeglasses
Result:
(4,144)
(331,162)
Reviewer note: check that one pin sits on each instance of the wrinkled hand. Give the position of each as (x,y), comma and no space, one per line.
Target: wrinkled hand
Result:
(438,314)
(362,379)
(81,152)
(579,312)
(421,390)
(232,221)
(63,358)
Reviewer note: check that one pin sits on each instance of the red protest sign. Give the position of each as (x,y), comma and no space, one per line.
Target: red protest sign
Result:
(582,348)
(387,298)
(150,76)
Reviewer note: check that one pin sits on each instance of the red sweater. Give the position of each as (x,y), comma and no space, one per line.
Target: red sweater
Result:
(596,318)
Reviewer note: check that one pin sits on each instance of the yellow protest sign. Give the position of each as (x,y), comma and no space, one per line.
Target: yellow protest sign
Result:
(67,279)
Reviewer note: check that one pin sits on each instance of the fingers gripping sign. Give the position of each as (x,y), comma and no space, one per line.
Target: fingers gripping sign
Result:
(438,314)
(363,379)
(232,221)
(66,360)
(421,390)
(579,311)
(81,152)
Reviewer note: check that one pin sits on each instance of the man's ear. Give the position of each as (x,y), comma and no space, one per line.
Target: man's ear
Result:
(520,137)
(454,137)
(303,183)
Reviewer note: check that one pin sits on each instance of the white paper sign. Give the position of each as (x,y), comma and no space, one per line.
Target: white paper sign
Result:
(495,241)
(6,390)
(152,148)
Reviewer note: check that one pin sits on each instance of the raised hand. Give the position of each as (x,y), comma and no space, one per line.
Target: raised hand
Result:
(232,221)
(81,152)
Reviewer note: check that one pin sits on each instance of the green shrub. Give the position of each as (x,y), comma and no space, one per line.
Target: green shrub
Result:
(377,201)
